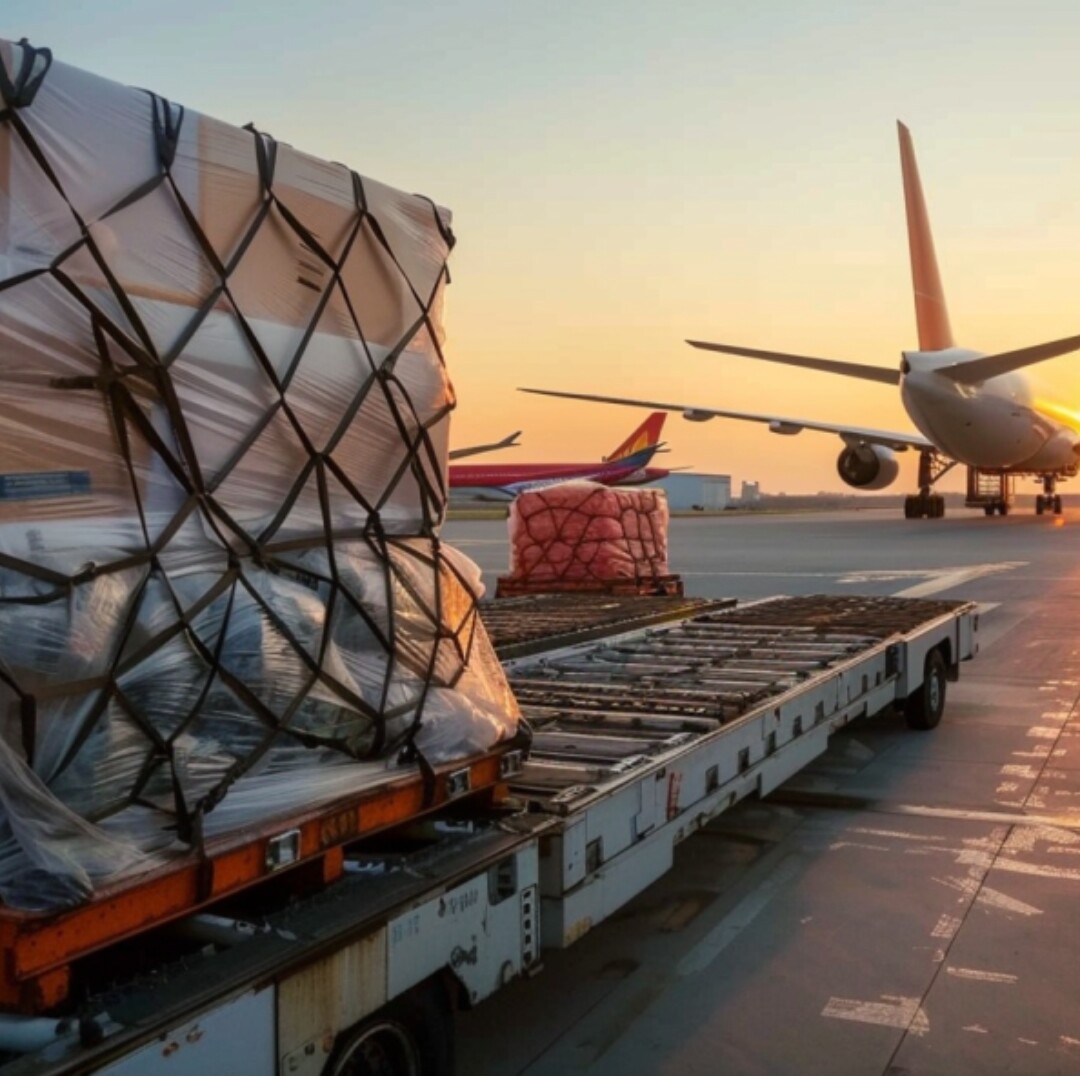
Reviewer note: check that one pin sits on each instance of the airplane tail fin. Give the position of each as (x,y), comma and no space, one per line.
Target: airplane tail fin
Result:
(646,436)
(931,314)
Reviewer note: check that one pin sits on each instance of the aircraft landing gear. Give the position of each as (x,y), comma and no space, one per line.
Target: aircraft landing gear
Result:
(1049,499)
(932,467)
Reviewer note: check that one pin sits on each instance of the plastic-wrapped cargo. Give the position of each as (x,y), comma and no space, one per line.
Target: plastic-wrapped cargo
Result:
(583,532)
(223,444)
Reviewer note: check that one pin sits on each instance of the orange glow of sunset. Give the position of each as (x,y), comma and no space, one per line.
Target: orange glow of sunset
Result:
(625,175)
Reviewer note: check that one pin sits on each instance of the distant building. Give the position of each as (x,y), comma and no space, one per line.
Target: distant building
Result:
(697,491)
(751,493)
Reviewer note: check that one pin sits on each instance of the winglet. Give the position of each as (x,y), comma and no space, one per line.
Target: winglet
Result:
(931,314)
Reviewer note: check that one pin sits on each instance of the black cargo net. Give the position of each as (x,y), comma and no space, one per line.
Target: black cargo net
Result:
(184,667)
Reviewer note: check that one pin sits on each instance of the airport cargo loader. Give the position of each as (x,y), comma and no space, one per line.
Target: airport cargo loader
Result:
(650,716)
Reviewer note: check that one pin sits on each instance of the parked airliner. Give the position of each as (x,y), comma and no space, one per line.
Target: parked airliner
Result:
(970,408)
(628,463)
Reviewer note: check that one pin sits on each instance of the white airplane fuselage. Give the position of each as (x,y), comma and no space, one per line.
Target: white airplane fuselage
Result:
(990,425)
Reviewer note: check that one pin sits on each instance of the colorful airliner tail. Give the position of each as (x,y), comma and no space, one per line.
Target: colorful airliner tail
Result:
(646,436)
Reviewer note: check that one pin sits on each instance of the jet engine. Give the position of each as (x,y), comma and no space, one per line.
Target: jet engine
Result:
(868,467)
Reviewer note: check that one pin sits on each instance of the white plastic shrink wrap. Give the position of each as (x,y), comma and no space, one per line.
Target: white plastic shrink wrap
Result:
(223,441)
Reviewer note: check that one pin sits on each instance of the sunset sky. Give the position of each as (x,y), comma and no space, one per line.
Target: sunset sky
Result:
(624,175)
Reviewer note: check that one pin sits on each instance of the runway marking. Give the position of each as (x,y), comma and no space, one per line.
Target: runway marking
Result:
(991,898)
(1017,867)
(946,927)
(892,1011)
(1043,732)
(981,976)
(950,578)
(896,834)
(930,580)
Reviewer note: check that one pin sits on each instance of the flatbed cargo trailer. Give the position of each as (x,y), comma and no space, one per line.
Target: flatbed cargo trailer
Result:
(642,734)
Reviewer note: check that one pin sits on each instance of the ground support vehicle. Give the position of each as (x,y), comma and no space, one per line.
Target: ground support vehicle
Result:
(993,491)
(646,724)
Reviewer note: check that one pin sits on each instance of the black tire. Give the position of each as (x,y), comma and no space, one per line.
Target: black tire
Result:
(1040,505)
(1057,504)
(1003,508)
(924,707)
(909,506)
(988,511)
(413,1035)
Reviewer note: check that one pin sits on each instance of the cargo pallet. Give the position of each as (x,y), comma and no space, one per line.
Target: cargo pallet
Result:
(665,585)
(39,949)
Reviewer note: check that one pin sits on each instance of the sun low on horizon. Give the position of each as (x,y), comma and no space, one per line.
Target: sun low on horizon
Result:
(626,175)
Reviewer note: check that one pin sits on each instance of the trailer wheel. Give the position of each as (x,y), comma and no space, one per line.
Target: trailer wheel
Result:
(411,1036)
(925,706)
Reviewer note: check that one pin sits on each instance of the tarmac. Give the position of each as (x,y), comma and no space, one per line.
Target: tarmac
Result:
(910,902)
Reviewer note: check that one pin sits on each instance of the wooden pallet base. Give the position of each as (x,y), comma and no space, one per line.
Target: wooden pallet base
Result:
(40,949)
(668,585)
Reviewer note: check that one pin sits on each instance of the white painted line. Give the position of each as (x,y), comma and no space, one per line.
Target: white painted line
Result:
(947,927)
(896,834)
(953,577)
(1017,867)
(1058,821)
(991,898)
(895,1012)
(980,976)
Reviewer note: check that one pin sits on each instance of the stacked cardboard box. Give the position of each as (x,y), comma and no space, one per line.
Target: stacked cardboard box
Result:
(224,417)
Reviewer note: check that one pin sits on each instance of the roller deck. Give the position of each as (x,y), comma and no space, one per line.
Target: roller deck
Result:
(642,737)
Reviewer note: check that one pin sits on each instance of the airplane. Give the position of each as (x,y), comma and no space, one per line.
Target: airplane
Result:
(627,464)
(969,408)
(486,448)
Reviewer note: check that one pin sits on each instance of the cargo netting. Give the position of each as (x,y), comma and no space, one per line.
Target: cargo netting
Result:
(586,532)
(224,415)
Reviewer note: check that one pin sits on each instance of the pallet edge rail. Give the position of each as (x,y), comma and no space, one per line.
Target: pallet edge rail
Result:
(367,969)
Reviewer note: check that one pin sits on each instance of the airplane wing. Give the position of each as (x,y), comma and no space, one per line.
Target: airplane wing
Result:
(472,451)
(781,425)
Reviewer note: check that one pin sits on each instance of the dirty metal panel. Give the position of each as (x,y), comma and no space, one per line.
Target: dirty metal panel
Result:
(236,1038)
(327,997)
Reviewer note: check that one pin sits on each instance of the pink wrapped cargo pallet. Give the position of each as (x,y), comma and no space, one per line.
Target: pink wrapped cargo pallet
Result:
(224,415)
(581,535)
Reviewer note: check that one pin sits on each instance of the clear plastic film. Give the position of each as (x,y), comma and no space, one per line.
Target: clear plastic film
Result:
(224,416)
